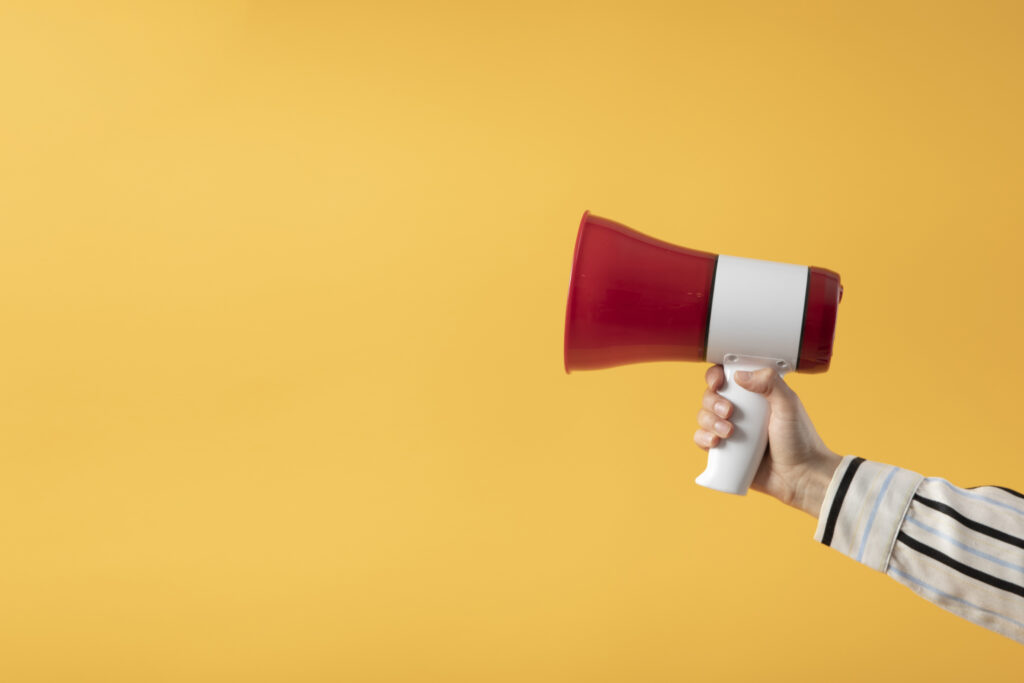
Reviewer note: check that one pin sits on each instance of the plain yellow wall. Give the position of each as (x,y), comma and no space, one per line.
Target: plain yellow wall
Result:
(282,288)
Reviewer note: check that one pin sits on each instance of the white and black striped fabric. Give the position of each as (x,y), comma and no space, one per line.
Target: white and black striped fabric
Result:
(962,549)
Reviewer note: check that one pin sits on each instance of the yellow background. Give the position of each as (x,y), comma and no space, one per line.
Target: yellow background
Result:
(282,288)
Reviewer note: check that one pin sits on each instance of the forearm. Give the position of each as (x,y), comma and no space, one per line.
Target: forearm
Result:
(811,487)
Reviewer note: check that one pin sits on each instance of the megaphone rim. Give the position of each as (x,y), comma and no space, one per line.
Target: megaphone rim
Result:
(570,299)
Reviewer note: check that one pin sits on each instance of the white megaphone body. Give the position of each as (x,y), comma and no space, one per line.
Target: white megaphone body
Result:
(633,298)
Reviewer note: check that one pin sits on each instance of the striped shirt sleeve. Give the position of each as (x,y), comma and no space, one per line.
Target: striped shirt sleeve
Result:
(962,549)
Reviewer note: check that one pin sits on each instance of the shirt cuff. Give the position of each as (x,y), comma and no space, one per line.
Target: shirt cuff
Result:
(864,508)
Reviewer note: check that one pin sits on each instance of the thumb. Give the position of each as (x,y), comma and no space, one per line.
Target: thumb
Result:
(769,384)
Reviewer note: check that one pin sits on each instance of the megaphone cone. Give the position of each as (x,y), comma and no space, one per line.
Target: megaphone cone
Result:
(633,298)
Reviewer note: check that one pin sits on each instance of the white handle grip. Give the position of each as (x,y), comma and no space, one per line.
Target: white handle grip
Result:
(734,462)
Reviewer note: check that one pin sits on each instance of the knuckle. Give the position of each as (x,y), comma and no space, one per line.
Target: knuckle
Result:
(710,398)
(716,404)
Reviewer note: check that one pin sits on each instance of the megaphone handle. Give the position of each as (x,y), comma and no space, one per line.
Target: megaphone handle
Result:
(734,462)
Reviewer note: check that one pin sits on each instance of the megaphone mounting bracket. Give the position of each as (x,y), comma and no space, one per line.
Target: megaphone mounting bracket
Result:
(780,365)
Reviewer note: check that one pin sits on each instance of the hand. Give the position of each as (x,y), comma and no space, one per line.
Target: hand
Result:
(797,467)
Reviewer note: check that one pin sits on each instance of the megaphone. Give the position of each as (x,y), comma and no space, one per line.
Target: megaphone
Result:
(634,298)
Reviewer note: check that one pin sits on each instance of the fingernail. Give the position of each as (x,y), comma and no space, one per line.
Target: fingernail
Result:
(742,375)
(721,409)
(706,438)
(721,428)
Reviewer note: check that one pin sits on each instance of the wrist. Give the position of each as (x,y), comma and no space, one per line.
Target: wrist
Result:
(810,493)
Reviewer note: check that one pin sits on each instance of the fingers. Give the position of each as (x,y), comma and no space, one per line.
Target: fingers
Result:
(715,377)
(714,403)
(712,418)
(761,381)
(705,439)
(764,381)
(712,423)
(712,430)
(772,386)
